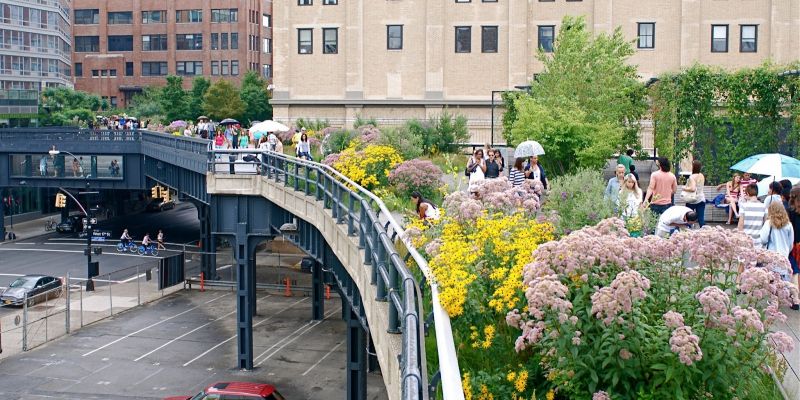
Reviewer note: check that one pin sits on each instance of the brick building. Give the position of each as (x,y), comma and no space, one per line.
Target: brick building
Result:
(122,46)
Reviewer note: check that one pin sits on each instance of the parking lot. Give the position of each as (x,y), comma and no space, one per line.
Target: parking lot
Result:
(183,343)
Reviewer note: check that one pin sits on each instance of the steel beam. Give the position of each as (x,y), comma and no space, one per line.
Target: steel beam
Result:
(244,296)
(317,292)
(356,356)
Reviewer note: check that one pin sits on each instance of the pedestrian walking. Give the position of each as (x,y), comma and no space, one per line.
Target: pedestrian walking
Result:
(615,184)
(476,170)
(630,197)
(661,188)
(493,168)
(692,192)
(751,214)
(160,240)
(303,149)
(517,174)
(535,171)
(626,160)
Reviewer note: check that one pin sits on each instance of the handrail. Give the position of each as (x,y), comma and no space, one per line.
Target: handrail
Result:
(448,363)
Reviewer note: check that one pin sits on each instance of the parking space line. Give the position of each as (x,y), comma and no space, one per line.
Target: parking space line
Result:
(234,336)
(190,332)
(87,375)
(307,327)
(150,326)
(149,376)
(323,357)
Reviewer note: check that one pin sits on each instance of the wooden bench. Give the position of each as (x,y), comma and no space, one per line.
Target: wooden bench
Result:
(713,214)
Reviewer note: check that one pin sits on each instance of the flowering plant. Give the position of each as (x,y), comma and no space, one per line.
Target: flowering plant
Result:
(577,200)
(417,175)
(627,318)
(370,167)
(494,195)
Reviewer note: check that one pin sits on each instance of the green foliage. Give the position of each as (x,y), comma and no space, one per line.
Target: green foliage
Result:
(440,134)
(337,140)
(222,101)
(409,146)
(200,86)
(315,125)
(148,105)
(255,96)
(589,91)
(510,114)
(577,201)
(721,117)
(174,100)
(63,106)
(359,122)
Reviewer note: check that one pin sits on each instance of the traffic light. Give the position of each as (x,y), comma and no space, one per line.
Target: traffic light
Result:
(155,192)
(165,194)
(61,200)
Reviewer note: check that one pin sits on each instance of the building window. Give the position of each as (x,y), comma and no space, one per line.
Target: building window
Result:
(129,68)
(78,69)
(214,41)
(223,41)
(394,37)
(234,41)
(266,70)
(120,17)
(719,38)
(330,40)
(95,73)
(224,67)
(84,17)
(87,44)
(112,73)
(268,44)
(463,1)
(748,42)
(113,101)
(305,41)
(154,42)
(304,2)
(234,67)
(489,39)
(215,68)
(186,16)
(120,43)
(330,2)
(647,35)
(546,35)
(191,41)
(154,68)
(266,20)
(189,68)
(463,39)
(154,17)
(224,15)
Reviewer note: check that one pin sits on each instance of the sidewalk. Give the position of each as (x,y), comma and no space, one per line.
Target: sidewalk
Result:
(30,228)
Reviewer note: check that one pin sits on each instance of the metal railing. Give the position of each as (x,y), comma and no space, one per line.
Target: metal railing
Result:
(378,232)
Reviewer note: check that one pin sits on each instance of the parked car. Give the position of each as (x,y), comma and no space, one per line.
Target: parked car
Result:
(160,205)
(39,288)
(73,223)
(234,390)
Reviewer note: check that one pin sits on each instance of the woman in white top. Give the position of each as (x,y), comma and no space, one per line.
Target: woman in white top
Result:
(425,208)
(630,197)
(695,184)
(777,233)
(476,168)
(774,195)
(303,149)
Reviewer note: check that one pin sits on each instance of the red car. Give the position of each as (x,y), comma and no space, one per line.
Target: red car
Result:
(235,390)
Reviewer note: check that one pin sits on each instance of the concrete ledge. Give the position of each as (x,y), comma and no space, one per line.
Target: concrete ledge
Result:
(388,346)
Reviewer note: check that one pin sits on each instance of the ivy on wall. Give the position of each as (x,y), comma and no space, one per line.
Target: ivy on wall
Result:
(720,117)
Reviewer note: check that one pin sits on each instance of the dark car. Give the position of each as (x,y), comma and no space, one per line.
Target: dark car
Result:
(234,390)
(39,288)
(73,223)
(160,205)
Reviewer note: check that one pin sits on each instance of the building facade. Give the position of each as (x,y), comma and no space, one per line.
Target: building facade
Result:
(35,51)
(400,59)
(122,46)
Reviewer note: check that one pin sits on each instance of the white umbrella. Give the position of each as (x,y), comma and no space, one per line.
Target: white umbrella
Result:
(269,126)
(528,148)
(763,185)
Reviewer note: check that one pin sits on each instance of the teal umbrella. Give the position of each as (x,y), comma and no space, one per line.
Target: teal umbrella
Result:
(772,164)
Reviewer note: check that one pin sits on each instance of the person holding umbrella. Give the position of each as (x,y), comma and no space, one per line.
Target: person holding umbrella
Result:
(531,150)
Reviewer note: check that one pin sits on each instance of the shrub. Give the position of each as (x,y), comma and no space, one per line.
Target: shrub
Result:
(494,196)
(361,121)
(416,176)
(577,200)
(336,140)
(409,146)
(440,134)
(650,318)
(370,167)
(312,124)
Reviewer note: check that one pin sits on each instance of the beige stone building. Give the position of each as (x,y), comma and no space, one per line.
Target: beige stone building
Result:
(398,59)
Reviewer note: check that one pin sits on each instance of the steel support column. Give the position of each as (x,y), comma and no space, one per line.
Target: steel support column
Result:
(251,265)
(2,217)
(372,357)
(208,259)
(356,356)
(317,292)
(244,296)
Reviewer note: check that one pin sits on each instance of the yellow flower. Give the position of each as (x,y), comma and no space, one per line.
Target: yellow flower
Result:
(512,376)
(522,381)
(550,395)
(467,387)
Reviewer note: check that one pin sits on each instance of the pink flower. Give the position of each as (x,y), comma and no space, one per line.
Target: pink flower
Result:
(686,345)
(625,289)
(625,354)
(715,302)
(749,319)
(673,319)
(781,342)
(601,395)
(513,318)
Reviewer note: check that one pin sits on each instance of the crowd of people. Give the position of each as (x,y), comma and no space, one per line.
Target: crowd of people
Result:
(493,166)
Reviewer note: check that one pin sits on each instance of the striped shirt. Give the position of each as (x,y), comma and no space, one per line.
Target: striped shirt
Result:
(516,177)
(752,213)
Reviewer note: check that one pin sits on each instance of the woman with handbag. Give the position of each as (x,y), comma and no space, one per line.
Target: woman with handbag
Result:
(777,235)
(476,168)
(693,194)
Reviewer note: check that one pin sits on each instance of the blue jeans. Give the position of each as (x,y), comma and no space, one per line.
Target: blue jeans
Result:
(700,209)
(659,209)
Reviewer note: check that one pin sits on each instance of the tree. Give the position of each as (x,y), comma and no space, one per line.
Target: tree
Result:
(147,104)
(222,101)
(255,96)
(200,86)
(587,89)
(63,106)
(174,99)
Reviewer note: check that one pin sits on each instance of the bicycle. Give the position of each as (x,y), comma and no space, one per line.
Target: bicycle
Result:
(50,225)
(150,249)
(131,247)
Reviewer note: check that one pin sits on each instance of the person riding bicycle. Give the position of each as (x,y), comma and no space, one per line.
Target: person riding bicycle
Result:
(125,238)
(146,241)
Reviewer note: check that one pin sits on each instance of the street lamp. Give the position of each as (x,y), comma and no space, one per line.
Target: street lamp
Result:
(53,152)
(526,88)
